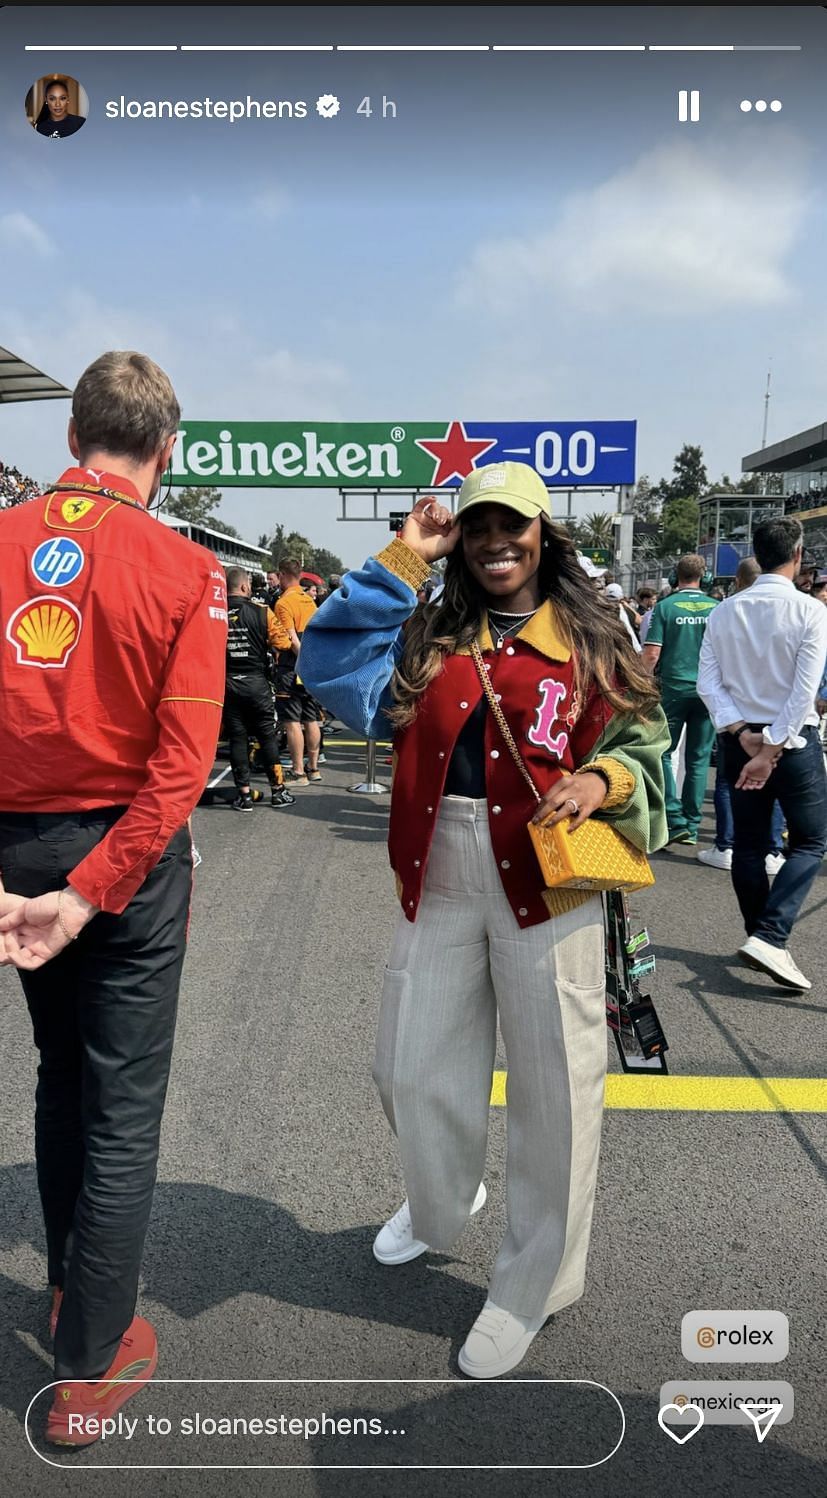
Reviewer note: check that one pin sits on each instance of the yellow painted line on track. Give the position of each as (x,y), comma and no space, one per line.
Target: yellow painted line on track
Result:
(705,1094)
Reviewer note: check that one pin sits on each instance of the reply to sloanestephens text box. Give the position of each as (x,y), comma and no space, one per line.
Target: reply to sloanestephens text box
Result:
(530,1423)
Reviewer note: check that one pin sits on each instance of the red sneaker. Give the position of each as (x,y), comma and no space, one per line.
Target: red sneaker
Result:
(133,1366)
(57,1300)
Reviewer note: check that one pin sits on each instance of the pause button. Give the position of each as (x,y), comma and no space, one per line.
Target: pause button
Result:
(689,105)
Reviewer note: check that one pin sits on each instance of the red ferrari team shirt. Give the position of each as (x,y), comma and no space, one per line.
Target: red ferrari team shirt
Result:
(112,657)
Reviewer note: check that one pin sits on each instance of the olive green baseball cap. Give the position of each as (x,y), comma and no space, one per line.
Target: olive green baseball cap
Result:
(514,485)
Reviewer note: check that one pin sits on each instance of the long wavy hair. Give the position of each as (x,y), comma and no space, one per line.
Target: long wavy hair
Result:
(601,649)
(45,112)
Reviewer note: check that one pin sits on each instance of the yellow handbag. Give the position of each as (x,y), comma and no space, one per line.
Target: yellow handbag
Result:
(596,856)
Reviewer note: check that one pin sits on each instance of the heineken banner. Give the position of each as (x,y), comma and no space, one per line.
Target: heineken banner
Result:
(401,455)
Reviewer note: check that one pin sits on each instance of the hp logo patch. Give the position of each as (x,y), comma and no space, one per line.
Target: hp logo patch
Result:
(58,562)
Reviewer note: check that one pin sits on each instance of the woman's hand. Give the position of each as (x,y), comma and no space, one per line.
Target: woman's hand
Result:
(586,791)
(430,530)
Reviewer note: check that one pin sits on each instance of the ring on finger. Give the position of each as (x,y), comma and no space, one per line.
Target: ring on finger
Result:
(575,808)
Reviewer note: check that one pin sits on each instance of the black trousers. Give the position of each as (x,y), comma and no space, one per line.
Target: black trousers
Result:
(104,1015)
(249,710)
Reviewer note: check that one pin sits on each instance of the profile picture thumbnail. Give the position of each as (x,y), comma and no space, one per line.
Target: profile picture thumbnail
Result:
(57,105)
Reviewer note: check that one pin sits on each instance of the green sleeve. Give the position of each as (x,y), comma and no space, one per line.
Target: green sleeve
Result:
(640,746)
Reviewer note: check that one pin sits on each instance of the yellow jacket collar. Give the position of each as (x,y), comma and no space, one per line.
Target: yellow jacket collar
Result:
(542,633)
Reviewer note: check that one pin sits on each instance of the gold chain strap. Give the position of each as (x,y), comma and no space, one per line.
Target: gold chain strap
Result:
(500,718)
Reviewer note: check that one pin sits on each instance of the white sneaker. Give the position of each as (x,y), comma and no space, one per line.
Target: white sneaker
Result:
(772,863)
(773,960)
(395,1242)
(715,858)
(497,1342)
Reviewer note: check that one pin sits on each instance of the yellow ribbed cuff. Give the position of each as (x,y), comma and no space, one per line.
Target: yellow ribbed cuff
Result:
(405,564)
(621,781)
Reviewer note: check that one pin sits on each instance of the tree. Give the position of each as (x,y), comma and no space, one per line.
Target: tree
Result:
(689,474)
(196,505)
(680,526)
(576,531)
(598,529)
(298,546)
(325,562)
(313,558)
(646,499)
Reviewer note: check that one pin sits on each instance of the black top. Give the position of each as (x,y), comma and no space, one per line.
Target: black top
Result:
(56,129)
(248,648)
(466,769)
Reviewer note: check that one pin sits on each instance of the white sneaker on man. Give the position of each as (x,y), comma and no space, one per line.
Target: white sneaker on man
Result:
(714,857)
(772,863)
(395,1242)
(773,960)
(497,1342)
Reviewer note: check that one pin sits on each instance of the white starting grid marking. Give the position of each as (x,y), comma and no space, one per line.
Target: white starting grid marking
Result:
(211,784)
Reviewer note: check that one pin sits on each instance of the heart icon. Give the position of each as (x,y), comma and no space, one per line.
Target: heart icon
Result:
(684,1409)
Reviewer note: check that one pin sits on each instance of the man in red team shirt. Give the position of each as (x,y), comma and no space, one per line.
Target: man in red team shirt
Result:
(112,644)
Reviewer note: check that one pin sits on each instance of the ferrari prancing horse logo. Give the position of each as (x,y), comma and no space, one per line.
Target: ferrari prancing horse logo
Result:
(74,509)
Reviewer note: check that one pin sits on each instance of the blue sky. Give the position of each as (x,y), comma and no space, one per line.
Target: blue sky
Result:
(532,237)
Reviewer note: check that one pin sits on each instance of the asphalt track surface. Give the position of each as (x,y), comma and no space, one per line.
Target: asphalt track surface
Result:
(277,1166)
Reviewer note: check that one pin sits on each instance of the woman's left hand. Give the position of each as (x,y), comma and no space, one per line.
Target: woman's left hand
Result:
(584,792)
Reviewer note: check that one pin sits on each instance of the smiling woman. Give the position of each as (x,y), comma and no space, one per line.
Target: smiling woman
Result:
(479,936)
(57,106)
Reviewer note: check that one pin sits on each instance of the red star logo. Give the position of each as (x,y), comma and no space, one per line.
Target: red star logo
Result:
(455,454)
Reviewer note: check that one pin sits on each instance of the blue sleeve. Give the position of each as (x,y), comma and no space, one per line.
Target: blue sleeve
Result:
(351,645)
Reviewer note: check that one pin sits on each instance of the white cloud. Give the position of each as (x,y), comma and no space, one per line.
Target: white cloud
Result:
(221,370)
(683,229)
(19,232)
(272,203)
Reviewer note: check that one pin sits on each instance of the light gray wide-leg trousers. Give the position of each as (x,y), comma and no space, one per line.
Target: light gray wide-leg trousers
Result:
(463,961)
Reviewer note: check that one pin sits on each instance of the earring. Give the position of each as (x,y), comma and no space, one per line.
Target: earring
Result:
(545,546)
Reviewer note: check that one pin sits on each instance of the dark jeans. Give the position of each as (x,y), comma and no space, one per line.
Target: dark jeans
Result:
(249,712)
(724,831)
(104,1014)
(799,784)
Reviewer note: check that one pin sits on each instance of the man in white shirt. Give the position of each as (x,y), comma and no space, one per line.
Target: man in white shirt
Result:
(760,667)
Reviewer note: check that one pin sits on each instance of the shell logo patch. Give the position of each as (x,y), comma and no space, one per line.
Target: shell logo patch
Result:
(44,632)
(74,509)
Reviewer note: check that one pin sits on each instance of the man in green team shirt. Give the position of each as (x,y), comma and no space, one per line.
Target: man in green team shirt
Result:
(672,649)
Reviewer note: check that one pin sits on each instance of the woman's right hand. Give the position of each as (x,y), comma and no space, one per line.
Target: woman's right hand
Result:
(430,530)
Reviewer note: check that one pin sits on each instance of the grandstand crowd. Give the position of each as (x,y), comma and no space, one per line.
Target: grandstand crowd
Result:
(15,487)
(809,501)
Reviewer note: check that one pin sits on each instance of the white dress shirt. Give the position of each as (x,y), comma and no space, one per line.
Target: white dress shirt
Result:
(762,659)
(624,619)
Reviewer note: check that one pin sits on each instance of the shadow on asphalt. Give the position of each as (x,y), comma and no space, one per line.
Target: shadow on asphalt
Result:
(355,818)
(721,1460)
(723,978)
(206,1246)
